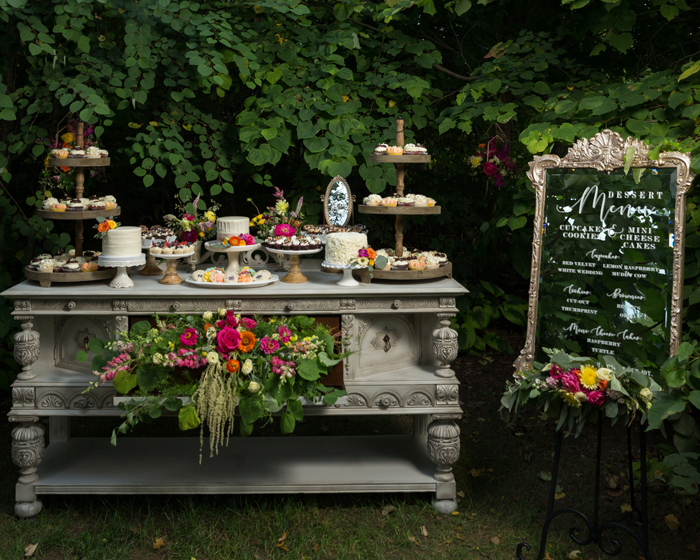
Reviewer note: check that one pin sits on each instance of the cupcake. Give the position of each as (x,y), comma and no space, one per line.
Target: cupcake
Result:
(373,200)
(46,266)
(389,201)
(381,149)
(156,250)
(103,153)
(46,205)
(403,201)
(85,267)
(110,202)
(431,202)
(45,256)
(410,150)
(75,205)
(77,153)
(400,264)
(59,207)
(431,262)
(34,264)
(92,152)
(416,264)
(168,250)
(71,266)
(62,154)
(394,151)
(420,200)
(97,205)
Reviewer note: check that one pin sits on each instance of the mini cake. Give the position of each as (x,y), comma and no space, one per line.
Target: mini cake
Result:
(77,153)
(389,201)
(394,151)
(62,154)
(400,264)
(410,150)
(416,264)
(403,201)
(60,207)
(231,278)
(103,153)
(92,152)
(431,262)
(34,263)
(381,149)
(231,225)
(71,266)
(97,205)
(431,202)
(46,266)
(75,205)
(420,200)
(373,200)
(110,202)
(341,248)
(124,241)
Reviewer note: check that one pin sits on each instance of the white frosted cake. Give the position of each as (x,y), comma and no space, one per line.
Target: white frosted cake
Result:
(341,248)
(231,225)
(123,242)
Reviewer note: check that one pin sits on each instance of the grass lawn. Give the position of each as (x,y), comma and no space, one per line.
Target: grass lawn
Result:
(502,500)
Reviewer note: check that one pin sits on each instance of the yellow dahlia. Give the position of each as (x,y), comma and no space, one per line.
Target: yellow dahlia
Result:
(589,377)
(570,399)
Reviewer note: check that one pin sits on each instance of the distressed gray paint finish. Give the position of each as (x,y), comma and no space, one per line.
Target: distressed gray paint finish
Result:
(368,313)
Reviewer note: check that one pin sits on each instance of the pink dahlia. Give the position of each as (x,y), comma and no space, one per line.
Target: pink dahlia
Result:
(268,345)
(571,382)
(189,337)
(248,323)
(285,230)
(596,398)
(285,333)
(556,372)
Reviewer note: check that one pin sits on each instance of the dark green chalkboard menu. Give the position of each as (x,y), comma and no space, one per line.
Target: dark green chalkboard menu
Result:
(606,274)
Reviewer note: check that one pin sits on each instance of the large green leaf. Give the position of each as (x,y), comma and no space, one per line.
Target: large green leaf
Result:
(124,381)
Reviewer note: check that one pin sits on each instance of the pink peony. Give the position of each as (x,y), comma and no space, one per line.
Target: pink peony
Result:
(189,337)
(227,340)
(268,345)
(596,398)
(285,230)
(248,323)
(571,382)
(490,169)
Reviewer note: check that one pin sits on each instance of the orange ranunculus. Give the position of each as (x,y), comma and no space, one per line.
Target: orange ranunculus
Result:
(103,226)
(577,372)
(206,327)
(65,168)
(602,384)
(232,366)
(482,145)
(234,241)
(247,342)
(371,253)
(112,224)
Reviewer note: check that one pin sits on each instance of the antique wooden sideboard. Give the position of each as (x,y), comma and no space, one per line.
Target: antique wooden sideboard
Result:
(402,345)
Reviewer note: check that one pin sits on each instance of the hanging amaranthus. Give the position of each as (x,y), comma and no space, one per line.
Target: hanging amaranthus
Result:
(216,402)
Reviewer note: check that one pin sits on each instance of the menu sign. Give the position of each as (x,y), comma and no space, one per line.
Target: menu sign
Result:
(607,264)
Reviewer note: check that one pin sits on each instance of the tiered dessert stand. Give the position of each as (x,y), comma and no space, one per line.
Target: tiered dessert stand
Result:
(400,212)
(46,278)
(294,276)
(234,253)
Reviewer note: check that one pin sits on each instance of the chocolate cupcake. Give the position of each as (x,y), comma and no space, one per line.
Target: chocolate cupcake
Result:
(400,264)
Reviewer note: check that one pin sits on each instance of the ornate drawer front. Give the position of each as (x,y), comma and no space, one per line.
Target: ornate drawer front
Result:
(72,335)
(387,343)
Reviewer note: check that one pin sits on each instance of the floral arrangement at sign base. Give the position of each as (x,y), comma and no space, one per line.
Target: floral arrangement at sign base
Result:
(573,388)
(223,362)
(194,224)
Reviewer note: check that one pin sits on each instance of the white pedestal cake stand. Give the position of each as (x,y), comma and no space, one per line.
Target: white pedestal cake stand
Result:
(347,279)
(234,253)
(294,276)
(121,280)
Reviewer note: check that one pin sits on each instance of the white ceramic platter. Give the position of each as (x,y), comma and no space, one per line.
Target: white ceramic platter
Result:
(238,285)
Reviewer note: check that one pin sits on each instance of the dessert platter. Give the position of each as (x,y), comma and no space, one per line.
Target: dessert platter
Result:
(233,238)
(294,276)
(219,278)
(410,153)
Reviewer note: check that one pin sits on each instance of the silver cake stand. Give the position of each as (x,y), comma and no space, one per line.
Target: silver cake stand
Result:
(121,280)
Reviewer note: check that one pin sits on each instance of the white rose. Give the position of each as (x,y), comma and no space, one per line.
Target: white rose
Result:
(247,367)
(208,316)
(581,397)
(604,374)
(646,394)
(253,387)
(212,358)
(222,312)
(211,333)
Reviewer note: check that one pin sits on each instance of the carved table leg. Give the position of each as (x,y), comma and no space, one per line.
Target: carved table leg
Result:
(443,450)
(445,345)
(27,452)
(26,348)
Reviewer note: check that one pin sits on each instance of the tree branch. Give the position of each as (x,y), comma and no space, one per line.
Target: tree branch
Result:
(366,25)
(454,74)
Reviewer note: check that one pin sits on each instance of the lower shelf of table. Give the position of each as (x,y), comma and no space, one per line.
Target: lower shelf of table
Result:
(254,465)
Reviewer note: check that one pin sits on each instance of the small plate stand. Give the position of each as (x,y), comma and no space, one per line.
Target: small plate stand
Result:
(121,280)
(171,277)
(234,253)
(294,276)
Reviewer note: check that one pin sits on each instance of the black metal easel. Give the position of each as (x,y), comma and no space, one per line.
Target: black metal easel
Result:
(608,545)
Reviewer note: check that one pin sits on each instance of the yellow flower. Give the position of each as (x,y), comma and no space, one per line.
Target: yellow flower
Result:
(171,345)
(476,161)
(68,137)
(282,206)
(112,224)
(589,377)
(293,338)
(209,215)
(201,234)
(46,161)
(47,194)
(570,399)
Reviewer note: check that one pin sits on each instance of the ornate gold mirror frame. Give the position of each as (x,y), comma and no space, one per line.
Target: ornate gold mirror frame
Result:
(327,199)
(606,152)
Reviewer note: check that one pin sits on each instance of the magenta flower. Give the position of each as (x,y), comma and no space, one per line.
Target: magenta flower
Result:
(556,372)
(596,398)
(231,320)
(189,217)
(490,169)
(249,239)
(363,253)
(189,337)
(268,345)
(284,333)
(189,236)
(227,340)
(285,230)
(248,323)
(571,382)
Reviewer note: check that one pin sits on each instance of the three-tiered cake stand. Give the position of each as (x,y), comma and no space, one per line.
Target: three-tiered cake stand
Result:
(46,278)
(400,212)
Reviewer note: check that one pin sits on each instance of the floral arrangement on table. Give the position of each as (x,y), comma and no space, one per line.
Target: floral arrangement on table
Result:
(493,161)
(193,224)
(278,219)
(571,388)
(103,225)
(221,361)
(368,258)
